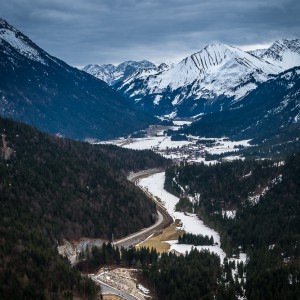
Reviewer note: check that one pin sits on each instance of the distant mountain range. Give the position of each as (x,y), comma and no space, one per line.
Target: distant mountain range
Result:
(225,90)
(41,90)
(208,81)
(112,74)
(272,110)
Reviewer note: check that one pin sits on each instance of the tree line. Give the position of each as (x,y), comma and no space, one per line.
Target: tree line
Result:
(53,188)
(195,275)
(266,228)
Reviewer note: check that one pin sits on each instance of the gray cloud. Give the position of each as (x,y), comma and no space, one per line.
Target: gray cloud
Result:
(103,31)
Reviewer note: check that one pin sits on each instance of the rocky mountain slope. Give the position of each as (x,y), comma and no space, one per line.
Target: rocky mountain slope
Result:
(211,80)
(112,74)
(41,90)
(272,110)
(283,53)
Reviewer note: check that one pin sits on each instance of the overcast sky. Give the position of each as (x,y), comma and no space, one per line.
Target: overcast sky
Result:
(112,31)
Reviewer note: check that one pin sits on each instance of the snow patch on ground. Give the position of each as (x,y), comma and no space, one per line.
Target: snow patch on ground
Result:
(180,123)
(157,99)
(254,199)
(143,289)
(224,145)
(190,222)
(183,248)
(20,45)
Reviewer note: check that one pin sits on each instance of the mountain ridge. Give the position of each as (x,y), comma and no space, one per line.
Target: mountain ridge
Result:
(112,74)
(269,113)
(41,90)
(209,80)
(284,53)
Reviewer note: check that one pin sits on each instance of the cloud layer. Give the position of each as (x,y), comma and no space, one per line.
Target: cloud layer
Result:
(111,31)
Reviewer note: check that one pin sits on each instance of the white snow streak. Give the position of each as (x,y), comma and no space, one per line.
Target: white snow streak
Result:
(190,222)
(20,45)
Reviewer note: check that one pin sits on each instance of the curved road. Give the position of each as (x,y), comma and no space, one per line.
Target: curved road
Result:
(106,289)
(163,221)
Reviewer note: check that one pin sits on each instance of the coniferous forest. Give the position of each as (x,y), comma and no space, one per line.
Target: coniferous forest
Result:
(53,188)
(265,198)
(215,198)
(195,275)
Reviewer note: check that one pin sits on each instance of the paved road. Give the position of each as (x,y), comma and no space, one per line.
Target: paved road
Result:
(163,221)
(140,236)
(133,177)
(106,289)
(109,290)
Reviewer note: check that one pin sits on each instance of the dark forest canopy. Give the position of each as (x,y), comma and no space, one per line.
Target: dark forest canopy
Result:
(268,229)
(53,188)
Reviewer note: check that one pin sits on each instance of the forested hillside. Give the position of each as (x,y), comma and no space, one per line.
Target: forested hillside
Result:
(43,91)
(268,116)
(255,205)
(54,188)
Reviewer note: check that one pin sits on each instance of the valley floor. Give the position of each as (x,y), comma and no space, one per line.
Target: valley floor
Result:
(124,279)
(190,223)
(193,149)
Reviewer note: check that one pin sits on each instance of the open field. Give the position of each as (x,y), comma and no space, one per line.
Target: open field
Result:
(112,297)
(158,241)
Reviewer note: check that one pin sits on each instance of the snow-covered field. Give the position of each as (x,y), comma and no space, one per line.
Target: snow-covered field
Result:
(224,145)
(159,142)
(190,222)
(190,150)
(164,142)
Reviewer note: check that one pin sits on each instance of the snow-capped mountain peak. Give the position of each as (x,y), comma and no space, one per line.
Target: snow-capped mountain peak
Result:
(21,43)
(41,90)
(112,74)
(216,56)
(210,56)
(283,53)
(143,64)
(218,70)
(104,72)
(209,80)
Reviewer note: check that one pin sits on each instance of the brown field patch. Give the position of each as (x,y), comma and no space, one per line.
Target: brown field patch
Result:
(158,240)
(111,297)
